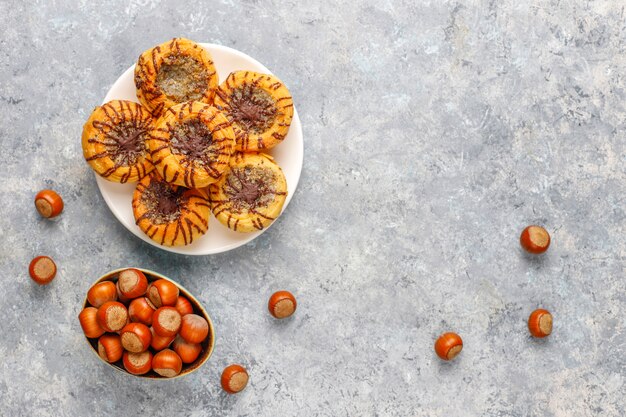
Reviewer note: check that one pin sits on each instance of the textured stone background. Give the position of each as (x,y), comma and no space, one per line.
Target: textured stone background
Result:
(434,132)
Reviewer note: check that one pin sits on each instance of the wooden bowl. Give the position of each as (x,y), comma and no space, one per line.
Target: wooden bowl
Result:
(207,345)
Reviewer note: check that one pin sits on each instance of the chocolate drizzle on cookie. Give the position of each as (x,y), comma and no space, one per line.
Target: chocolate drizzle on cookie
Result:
(191,145)
(248,192)
(170,214)
(252,108)
(131,145)
(174,72)
(259,108)
(250,196)
(249,188)
(122,133)
(198,148)
(163,202)
(193,140)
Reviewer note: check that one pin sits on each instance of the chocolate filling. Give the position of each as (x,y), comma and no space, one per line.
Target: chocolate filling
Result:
(124,143)
(163,202)
(249,187)
(128,144)
(252,108)
(182,78)
(131,144)
(194,140)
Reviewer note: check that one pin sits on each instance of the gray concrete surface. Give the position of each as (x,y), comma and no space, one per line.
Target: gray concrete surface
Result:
(435,131)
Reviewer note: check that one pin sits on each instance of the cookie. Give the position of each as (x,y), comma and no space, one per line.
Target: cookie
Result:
(114,141)
(175,72)
(191,145)
(251,195)
(259,107)
(169,214)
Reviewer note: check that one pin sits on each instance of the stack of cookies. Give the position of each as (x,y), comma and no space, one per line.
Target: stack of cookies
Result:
(193,145)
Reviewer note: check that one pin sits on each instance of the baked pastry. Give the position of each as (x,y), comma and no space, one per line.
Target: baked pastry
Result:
(251,195)
(114,141)
(168,214)
(174,72)
(191,144)
(259,106)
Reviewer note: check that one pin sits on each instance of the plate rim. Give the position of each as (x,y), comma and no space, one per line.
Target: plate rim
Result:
(234,245)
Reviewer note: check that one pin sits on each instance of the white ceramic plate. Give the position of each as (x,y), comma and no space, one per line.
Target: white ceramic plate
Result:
(219,238)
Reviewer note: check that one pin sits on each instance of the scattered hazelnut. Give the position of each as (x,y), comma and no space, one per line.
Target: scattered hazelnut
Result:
(234,379)
(448,346)
(540,323)
(282,304)
(42,270)
(535,239)
(48,203)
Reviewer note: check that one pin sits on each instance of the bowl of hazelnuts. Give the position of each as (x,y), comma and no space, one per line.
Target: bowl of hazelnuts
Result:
(144,324)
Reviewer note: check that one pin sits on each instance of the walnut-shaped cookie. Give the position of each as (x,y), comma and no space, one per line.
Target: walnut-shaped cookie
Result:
(175,72)
(169,214)
(114,141)
(191,145)
(259,106)
(251,195)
